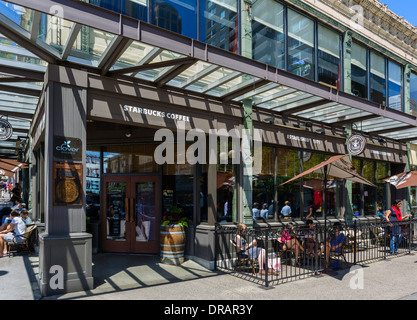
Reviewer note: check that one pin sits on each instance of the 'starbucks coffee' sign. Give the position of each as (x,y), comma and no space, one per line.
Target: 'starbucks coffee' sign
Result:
(67,148)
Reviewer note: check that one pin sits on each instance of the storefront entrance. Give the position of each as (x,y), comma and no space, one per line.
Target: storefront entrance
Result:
(130,217)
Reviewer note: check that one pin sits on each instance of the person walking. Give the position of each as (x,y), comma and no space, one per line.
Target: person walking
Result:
(394,217)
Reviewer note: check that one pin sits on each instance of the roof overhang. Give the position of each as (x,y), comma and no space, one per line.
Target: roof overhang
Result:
(142,52)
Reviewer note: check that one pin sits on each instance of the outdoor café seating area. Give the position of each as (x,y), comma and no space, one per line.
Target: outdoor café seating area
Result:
(294,250)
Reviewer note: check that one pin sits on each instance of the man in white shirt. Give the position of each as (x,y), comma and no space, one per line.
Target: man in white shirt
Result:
(14,229)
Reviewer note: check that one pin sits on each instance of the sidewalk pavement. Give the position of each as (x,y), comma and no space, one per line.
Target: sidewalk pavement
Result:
(137,277)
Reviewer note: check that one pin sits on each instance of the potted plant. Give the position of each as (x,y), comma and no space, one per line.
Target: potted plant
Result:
(172,236)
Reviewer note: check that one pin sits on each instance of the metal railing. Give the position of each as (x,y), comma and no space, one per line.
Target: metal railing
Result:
(303,254)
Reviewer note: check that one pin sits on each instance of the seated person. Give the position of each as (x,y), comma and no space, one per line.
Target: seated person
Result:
(7,220)
(16,228)
(290,242)
(310,236)
(24,214)
(19,206)
(334,242)
(251,248)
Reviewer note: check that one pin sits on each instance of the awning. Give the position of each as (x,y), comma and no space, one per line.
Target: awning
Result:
(338,166)
(9,167)
(403,179)
(129,49)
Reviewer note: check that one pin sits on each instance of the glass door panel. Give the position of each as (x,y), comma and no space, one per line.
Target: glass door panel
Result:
(145,211)
(116,210)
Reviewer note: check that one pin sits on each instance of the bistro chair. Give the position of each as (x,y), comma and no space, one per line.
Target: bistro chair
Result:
(243,258)
(22,242)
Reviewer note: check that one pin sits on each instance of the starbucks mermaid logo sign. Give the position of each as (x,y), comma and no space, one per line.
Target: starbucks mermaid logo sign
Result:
(356,144)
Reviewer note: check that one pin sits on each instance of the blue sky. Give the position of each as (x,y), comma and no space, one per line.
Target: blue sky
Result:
(404,8)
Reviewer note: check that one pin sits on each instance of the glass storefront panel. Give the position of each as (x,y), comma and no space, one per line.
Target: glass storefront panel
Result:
(378,79)
(178,187)
(312,184)
(219,24)
(359,70)
(129,159)
(263,186)
(369,192)
(92,180)
(395,86)
(357,191)
(381,190)
(288,167)
(300,45)
(328,56)
(268,45)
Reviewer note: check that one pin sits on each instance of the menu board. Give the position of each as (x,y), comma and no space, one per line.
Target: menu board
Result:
(67,184)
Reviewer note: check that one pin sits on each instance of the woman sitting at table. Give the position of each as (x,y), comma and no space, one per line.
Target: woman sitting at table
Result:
(251,248)
(290,242)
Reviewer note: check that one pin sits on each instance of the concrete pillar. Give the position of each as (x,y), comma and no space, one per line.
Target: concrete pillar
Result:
(65,251)
(247,177)
(347,62)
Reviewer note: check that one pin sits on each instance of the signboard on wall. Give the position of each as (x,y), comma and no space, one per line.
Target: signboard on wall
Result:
(356,144)
(67,148)
(6,129)
(67,184)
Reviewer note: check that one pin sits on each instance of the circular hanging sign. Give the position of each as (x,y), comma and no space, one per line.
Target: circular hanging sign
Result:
(356,144)
(6,129)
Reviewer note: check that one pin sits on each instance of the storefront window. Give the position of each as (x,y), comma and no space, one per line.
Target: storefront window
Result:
(218,24)
(203,192)
(178,187)
(176,16)
(378,79)
(288,167)
(268,44)
(227,190)
(129,159)
(263,185)
(413,91)
(381,190)
(92,181)
(312,184)
(369,192)
(359,71)
(357,191)
(328,56)
(395,86)
(300,45)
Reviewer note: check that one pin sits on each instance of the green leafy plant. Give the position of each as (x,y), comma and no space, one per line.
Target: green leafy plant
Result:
(175,215)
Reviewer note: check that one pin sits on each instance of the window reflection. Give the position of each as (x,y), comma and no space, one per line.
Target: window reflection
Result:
(359,71)
(300,45)
(268,33)
(328,56)
(378,76)
(413,92)
(395,86)
(218,24)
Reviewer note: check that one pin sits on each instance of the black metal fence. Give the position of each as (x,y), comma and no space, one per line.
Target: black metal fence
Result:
(284,253)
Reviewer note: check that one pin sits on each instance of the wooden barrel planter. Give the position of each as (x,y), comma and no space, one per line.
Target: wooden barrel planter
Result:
(172,244)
